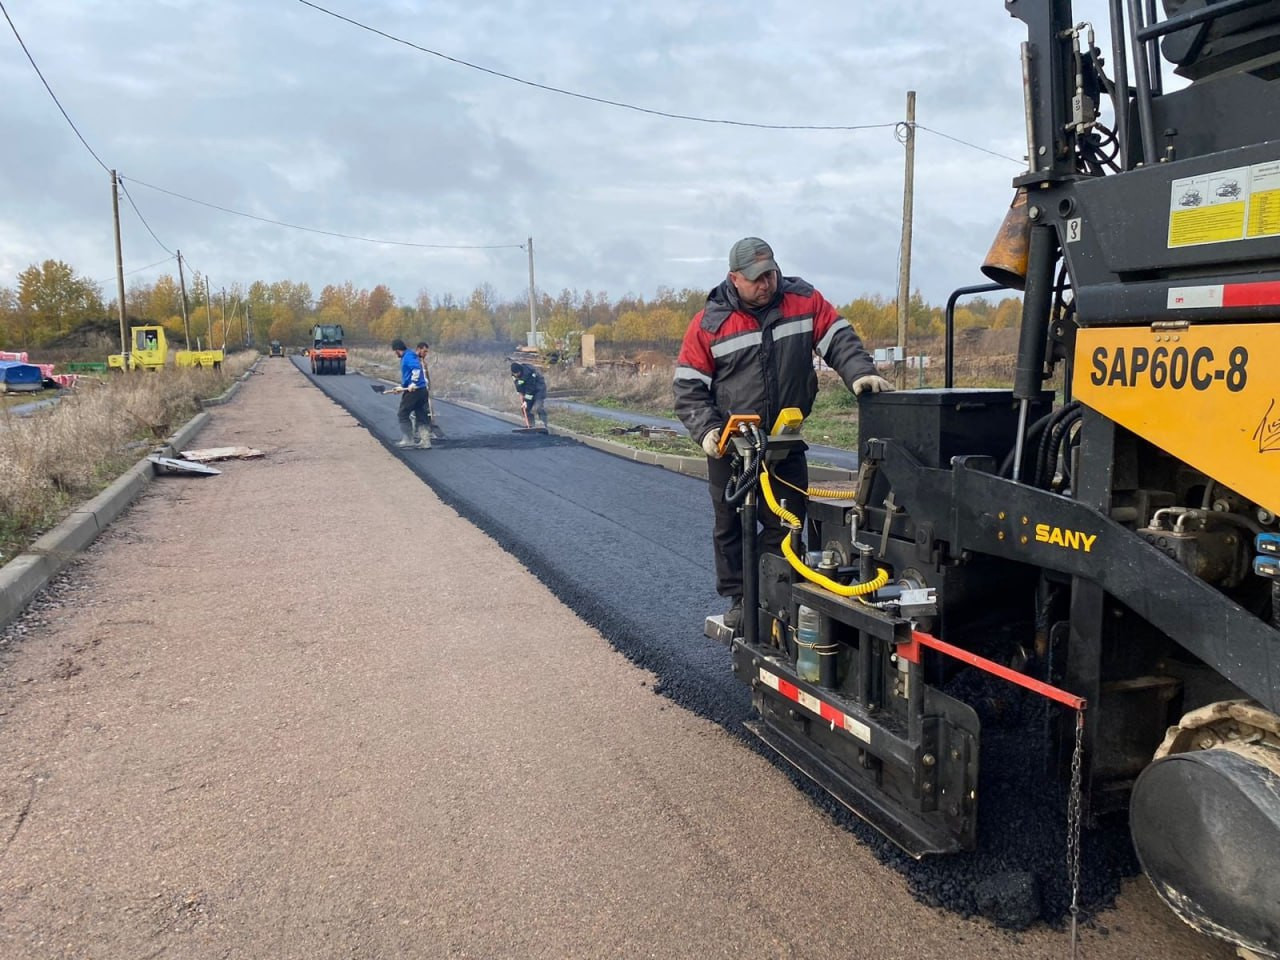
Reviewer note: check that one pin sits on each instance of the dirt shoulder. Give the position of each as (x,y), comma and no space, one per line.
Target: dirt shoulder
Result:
(364,730)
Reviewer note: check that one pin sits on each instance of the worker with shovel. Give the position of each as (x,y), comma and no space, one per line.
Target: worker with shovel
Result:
(422,350)
(412,414)
(532,388)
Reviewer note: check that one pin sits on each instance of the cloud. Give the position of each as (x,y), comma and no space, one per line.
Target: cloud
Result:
(283,112)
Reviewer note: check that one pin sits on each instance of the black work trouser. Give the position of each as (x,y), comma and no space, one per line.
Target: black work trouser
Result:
(727,535)
(536,407)
(413,406)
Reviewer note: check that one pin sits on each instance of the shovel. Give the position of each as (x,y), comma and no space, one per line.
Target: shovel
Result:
(528,425)
(432,426)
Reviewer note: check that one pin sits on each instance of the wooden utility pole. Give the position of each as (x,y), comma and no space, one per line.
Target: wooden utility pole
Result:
(208,315)
(533,312)
(904,256)
(182,285)
(115,213)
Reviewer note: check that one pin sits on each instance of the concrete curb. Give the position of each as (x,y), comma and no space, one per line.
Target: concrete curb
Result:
(226,395)
(27,574)
(690,466)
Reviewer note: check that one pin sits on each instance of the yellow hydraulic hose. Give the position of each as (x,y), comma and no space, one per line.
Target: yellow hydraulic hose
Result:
(831,493)
(802,568)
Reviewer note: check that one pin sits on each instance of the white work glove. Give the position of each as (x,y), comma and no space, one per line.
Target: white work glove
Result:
(872,382)
(711,444)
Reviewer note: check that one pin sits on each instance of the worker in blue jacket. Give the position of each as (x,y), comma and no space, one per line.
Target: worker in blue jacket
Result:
(532,387)
(413,415)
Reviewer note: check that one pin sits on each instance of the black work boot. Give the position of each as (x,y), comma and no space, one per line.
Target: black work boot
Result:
(733,616)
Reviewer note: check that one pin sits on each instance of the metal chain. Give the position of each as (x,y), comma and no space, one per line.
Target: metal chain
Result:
(1073,830)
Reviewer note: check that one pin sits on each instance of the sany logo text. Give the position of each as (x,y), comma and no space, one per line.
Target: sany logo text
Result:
(1070,539)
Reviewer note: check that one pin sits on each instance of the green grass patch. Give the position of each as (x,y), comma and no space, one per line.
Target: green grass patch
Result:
(592,426)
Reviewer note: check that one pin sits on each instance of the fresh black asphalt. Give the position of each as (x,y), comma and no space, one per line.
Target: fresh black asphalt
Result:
(818,453)
(627,547)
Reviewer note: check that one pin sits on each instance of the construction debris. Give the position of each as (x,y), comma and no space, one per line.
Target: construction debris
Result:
(649,432)
(221,453)
(170,465)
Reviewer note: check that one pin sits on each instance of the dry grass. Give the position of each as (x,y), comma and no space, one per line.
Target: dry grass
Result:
(63,455)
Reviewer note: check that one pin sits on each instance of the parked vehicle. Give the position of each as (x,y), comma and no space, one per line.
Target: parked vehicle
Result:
(150,351)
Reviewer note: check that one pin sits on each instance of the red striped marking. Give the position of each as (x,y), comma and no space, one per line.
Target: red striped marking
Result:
(1251,294)
(833,715)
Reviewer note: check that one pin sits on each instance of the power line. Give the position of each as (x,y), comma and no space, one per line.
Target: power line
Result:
(215,206)
(129,197)
(974,146)
(50,89)
(129,273)
(588,97)
(631,106)
(330,233)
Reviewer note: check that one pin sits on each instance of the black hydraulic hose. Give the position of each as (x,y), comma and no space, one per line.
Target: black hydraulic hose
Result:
(1047,440)
(736,490)
(1056,436)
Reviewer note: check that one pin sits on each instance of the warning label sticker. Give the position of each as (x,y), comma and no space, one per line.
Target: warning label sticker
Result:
(1264,200)
(1226,205)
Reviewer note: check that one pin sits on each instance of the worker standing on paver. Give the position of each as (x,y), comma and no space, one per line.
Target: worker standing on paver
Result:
(750,350)
(532,387)
(413,415)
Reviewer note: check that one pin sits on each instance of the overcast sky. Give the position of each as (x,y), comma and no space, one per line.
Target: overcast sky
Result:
(272,108)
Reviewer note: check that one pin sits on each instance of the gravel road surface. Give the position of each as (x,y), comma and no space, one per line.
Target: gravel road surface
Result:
(305,709)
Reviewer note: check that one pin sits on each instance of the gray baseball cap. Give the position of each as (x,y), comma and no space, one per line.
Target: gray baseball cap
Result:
(751,257)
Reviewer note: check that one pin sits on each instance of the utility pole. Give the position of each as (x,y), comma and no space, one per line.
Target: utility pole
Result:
(115,212)
(908,139)
(182,285)
(224,319)
(533,313)
(208,314)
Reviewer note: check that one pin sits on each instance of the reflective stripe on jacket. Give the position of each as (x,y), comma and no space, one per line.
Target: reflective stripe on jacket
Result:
(529,381)
(733,362)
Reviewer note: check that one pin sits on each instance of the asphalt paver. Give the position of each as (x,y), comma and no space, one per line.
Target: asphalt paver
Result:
(306,708)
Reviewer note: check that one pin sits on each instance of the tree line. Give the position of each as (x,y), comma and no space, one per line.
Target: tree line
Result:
(52,305)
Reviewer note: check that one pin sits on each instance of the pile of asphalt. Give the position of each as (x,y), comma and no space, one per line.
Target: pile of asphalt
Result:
(627,547)
(516,440)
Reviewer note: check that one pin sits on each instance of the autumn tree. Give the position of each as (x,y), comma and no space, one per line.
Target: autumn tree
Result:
(280,311)
(451,320)
(8,317)
(53,301)
(873,318)
(345,305)
(1008,314)
(479,313)
(375,304)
